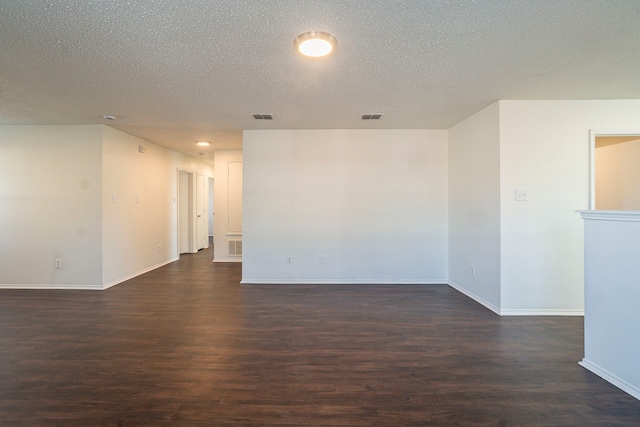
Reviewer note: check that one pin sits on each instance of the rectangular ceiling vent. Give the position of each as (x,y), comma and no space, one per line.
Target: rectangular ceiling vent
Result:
(263,116)
(235,247)
(375,116)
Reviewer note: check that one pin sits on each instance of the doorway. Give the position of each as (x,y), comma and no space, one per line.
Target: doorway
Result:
(614,174)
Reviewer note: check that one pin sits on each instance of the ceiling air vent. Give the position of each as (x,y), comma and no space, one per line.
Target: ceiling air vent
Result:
(263,116)
(375,116)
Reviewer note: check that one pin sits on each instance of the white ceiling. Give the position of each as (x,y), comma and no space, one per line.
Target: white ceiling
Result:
(176,71)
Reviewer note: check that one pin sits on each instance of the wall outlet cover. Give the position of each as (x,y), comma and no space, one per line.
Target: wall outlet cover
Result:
(521,194)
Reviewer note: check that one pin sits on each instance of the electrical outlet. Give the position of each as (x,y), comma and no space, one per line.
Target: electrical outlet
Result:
(58,262)
(159,248)
(114,198)
(473,270)
(521,194)
(289,260)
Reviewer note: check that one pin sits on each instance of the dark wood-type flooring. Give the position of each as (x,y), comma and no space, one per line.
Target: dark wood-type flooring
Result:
(187,345)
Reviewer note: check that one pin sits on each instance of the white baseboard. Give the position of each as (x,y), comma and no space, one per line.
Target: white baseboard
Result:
(86,287)
(137,273)
(49,286)
(542,312)
(518,312)
(611,378)
(340,282)
(475,297)
(228,260)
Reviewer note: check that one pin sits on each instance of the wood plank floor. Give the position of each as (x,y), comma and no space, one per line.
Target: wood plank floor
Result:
(187,345)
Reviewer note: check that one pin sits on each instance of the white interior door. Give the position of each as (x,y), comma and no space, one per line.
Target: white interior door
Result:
(211,208)
(202,221)
(185,213)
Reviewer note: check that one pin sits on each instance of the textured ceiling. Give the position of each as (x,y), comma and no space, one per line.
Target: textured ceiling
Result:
(175,71)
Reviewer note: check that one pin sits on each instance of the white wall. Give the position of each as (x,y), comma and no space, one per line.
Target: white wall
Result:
(56,189)
(137,226)
(474,206)
(618,176)
(50,189)
(611,323)
(226,213)
(348,206)
(140,228)
(544,147)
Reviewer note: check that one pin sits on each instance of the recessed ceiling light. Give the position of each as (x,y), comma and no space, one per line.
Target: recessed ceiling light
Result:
(203,143)
(109,117)
(315,44)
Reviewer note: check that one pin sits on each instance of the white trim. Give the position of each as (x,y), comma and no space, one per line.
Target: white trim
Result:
(611,378)
(542,312)
(48,286)
(136,274)
(234,234)
(475,297)
(87,287)
(592,169)
(234,259)
(517,312)
(340,282)
(631,216)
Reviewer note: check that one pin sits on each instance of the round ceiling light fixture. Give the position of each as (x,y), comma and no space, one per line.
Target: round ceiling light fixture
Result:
(315,44)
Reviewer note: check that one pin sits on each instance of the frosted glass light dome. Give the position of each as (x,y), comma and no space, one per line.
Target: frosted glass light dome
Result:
(315,44)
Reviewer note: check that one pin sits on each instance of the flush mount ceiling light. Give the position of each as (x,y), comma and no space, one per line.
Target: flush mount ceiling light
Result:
(315,44)
(203,143)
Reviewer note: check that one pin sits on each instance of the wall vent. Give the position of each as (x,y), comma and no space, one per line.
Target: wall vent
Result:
(375,116)
(235,247)
(262,116)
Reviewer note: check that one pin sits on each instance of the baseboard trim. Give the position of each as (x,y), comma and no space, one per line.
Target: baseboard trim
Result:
(138,273)
(611,378)
(227,260)
(475,297)
(48,286)
(542,312)
(518,312)
(340,282)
